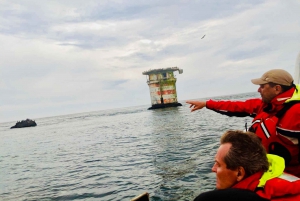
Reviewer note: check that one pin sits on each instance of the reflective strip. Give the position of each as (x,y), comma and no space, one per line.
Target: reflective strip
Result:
(263,127)
(265,130)
(256,121)
(281,99)
(289,177)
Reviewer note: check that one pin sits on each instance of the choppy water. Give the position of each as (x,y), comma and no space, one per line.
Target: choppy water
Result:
(114,154)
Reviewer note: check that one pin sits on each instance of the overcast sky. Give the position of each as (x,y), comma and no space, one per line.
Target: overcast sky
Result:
(71,56)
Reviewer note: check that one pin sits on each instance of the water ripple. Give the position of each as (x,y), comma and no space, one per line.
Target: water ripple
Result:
(113,155)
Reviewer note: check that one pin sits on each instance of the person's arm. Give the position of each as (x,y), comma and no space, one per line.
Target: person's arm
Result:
(229,108)
(196,105)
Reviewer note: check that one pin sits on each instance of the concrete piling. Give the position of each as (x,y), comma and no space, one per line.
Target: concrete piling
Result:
(162,86)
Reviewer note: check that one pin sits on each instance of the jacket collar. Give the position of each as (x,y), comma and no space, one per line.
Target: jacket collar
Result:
(250,182)
(281,98)
(277,102)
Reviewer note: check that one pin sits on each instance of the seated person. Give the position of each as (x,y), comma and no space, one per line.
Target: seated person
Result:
(244,171)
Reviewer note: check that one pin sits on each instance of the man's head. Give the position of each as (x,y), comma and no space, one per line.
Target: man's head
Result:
(240,155)
(272,83)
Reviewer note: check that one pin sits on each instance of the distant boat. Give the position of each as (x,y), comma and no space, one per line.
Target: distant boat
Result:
(297,70)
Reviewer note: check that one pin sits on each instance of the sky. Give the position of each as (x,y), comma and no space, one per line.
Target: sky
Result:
(72,56)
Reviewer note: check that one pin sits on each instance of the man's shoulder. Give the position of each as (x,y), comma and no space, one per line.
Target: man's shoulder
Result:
(291,114)
(294,108)
(232,194)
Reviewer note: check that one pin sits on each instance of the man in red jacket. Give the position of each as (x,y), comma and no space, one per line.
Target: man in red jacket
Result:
(276,115)
(244,171)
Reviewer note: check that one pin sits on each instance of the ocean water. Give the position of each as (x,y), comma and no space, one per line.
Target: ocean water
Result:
(114,154)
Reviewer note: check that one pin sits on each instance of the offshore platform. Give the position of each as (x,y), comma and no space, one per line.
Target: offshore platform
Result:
(162,87)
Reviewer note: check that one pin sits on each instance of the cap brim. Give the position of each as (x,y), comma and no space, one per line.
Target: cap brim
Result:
(258,81)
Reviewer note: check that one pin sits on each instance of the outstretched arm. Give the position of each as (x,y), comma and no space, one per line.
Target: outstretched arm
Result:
(196,105)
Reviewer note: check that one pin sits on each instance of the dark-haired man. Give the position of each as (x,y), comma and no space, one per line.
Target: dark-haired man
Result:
(276,115)
(244,171)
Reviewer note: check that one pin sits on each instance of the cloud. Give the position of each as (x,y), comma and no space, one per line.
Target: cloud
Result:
(72,56)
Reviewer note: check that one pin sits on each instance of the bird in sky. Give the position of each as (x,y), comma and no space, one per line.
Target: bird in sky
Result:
(203,37)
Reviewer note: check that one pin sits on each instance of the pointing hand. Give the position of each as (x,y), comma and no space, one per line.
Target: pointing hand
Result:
(196,105)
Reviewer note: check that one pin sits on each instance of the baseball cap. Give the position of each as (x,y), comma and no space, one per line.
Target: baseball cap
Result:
(277,76)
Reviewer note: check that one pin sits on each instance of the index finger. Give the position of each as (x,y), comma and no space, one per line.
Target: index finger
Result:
(189,102)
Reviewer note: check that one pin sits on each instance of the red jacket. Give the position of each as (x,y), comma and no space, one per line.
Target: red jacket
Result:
(283,188)
(281,135)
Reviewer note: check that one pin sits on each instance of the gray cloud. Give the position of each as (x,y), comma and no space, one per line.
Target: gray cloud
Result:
(65,57)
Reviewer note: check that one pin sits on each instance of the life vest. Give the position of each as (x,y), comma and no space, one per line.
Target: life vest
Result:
(276,139)
(274,184)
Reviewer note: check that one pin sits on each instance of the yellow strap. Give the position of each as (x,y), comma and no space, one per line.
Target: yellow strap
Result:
(296,95)
(276,167)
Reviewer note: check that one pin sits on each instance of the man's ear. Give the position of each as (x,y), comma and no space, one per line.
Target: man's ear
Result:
(240,173)
(278,89)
